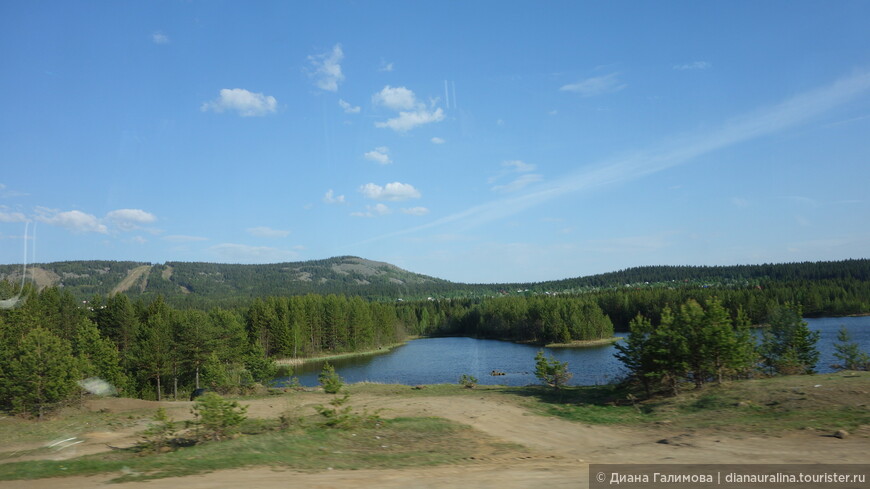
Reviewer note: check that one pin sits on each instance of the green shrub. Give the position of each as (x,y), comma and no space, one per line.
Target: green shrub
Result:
(468,381)
(216,418)
(160,433)
(329,379)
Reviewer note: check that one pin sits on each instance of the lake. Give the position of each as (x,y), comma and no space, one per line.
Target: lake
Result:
(443,360)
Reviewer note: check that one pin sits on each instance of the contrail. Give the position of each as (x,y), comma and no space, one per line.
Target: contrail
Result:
(790,113)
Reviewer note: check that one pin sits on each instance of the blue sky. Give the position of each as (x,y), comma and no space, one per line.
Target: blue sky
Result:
(484,141)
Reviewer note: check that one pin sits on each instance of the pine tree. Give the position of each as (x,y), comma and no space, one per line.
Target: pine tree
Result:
(153,352)
(98,357)
(788,346)
(42,373)
(637,355)
(551,371)
(849,353)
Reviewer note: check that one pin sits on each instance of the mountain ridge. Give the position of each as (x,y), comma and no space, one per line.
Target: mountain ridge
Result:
(189,282)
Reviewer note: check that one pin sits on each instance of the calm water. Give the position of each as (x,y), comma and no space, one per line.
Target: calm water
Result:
(443,360)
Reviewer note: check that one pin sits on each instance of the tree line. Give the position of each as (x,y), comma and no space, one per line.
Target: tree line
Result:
(52,345)
(696,344)
(536,319)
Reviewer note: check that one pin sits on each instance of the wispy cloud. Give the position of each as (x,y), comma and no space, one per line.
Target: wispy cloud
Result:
(739,202)
(697,65)
(130,219)
(267,232)
(159,38)
(598,85)
(412,113)
(514,167)
(437,140)
(12,217)
(331,198)
(416,211)
(396,98)
(791,113)
(518,183)
(373,211)
(385,66)
(243,102)
(395,191)
(75,221)
(239,253)
(348,108)
(326,69)
(181,238)
(6,193)
(380,155)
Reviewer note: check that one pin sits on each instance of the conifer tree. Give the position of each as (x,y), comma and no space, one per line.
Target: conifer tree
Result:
(788,346)
(849,353)
(41,374)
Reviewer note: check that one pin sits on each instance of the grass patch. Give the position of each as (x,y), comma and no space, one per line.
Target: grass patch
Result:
(71,422)
(401,442)
(824,403)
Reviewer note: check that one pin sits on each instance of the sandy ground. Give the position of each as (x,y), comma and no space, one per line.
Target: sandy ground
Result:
(557,452)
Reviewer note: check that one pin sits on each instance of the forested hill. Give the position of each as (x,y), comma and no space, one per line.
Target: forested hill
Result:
(200,284)
(208,284)
(716,275)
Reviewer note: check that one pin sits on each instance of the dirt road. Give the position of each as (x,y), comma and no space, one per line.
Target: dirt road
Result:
(556,454)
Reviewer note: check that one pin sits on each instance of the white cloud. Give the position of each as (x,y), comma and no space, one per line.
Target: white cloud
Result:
(75,221)
(396,98)
(137,240)
(597,85)
(513,167)
(12,217)
(437,140)
(519,183)
(380,155)
(416,211)
(739,202)
(794,112)
(239,253)
(385,66)
(247,104)
(697,65)
(330,198)
(130,219)
(327,69)
(395,191)
(409,120)
(180,238)
(348,108)
(159,38)
(412,113)
(519,166)
(373,211)
(267,232)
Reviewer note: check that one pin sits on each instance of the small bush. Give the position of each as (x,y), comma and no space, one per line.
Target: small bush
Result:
(551,371)
(468,381)
(159,434)
(329,379)
(216,418)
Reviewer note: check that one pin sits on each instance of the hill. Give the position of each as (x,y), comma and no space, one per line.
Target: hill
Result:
(200,284)
(194,282)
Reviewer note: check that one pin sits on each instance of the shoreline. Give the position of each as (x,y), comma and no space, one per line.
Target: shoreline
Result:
(585,343)
(295,362)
